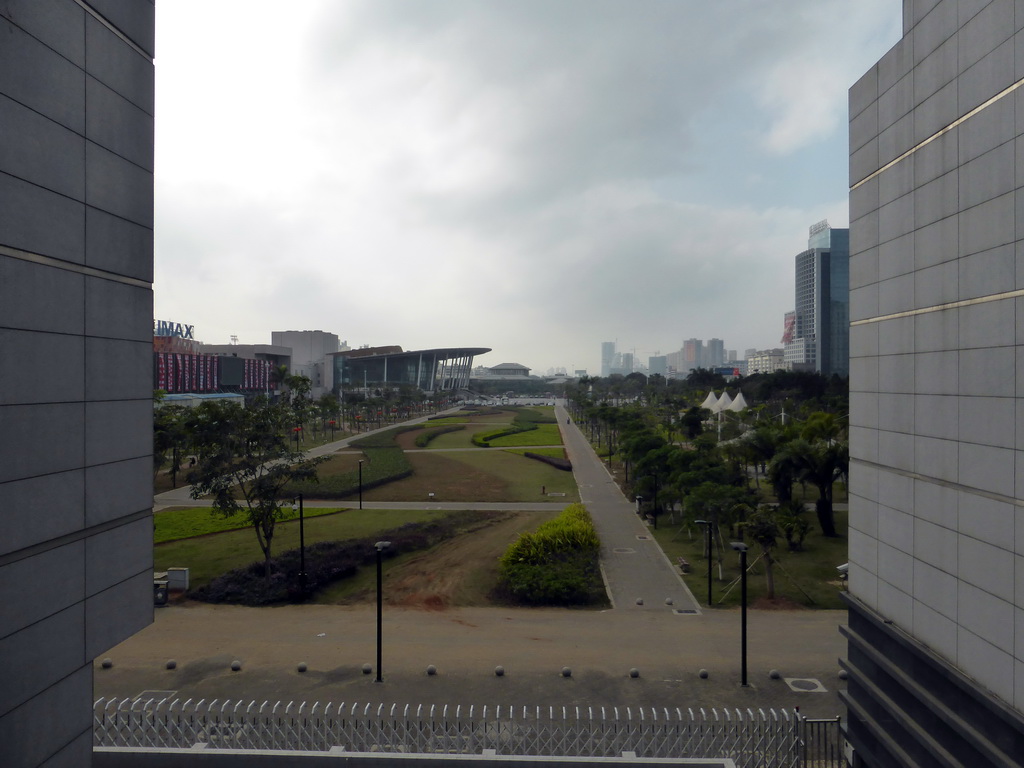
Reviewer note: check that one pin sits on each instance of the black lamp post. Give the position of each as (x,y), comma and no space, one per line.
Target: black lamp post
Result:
(360,483)
(707,539)
(302,547)
(740,547)
(381,546)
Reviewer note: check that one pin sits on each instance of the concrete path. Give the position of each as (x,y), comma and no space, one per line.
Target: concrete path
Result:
(637,573)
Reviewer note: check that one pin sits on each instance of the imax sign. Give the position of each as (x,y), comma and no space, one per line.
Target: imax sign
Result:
(167,328)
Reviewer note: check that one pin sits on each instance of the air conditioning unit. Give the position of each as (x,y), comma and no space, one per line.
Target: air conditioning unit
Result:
(159,592)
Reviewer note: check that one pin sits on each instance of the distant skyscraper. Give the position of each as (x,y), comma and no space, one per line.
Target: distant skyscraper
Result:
(626,363)
(607,357)
(714,354)
(817,336)
(693,354)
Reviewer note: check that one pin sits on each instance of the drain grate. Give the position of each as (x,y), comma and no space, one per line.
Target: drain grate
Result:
(641,537)
(685,611)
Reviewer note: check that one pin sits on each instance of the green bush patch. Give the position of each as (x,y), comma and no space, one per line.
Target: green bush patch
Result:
(423,439)
(555,565)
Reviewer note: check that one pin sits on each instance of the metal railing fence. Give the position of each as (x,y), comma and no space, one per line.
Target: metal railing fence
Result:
(752,738)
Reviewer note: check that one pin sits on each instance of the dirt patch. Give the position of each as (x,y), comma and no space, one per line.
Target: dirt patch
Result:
(459,572)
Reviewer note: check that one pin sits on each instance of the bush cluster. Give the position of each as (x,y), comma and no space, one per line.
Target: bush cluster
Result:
(326,563)
(555,565)
(555,461)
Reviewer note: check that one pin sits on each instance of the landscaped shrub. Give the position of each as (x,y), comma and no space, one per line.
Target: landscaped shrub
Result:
(555,461)
(555,565)
(423,439)
(326,562)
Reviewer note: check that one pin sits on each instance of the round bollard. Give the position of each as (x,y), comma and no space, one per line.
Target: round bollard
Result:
(639,601)
(302,666)
(236,665)
(499,671)
(431,670)
(634,672)
(703,674)
(774,674)
(367,669)
(668,601)
(107,663)
(843,674)
(171,664)
(566,672)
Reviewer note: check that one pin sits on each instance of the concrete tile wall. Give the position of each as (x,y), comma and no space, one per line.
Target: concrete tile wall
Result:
(936,393)
(76,190)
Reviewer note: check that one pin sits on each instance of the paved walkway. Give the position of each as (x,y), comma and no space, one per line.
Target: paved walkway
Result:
(637,573)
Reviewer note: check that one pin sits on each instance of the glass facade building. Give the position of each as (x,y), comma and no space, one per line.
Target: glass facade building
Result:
(429,370)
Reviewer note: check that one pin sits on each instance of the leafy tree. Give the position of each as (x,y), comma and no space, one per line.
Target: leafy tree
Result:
(821,464)
(245,459)
(693,422)
(169,438)
(763,528)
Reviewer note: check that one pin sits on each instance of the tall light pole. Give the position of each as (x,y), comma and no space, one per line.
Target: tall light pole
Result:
(740,547)
(360,483)
(707,539)
(381,546)
(302,547)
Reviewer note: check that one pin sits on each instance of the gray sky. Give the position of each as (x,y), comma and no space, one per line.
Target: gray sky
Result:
(534,176)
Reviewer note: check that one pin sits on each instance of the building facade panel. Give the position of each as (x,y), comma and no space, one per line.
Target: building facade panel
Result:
(70,143)
(957,640)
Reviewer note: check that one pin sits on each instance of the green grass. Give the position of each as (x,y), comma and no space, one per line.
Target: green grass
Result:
(813,570)
(209,556)
(461,439)
(544,434)
(186,522)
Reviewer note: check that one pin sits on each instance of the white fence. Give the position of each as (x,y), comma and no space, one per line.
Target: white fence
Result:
(752,738)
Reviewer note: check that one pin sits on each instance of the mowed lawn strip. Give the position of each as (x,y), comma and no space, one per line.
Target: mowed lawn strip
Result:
(524,477)
(185,522)
(544,434)
(210,556)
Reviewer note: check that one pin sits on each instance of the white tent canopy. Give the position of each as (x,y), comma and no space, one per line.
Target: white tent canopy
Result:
(710,402)
(739,404)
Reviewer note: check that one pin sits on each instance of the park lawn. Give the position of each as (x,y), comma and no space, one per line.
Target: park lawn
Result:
(209,556)
(812,571)
(461,439)
(185,522)
(524,477)
(544,434)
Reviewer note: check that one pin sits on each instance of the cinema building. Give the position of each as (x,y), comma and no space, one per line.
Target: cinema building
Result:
(429,370)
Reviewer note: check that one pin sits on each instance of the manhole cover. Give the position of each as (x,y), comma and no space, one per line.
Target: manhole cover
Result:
(623,551)
(805,685)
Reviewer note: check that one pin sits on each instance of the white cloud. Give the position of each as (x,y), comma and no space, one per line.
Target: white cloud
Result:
(536,177)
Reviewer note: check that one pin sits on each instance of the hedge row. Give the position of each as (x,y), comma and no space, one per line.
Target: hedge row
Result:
(423,439)
(555,461)
(326,562)
(525,420)
(555,565)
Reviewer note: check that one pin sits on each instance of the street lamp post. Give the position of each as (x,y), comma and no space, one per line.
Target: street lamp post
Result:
(380,546)
(360,483)
(740,547)
(707,539)
(302,547)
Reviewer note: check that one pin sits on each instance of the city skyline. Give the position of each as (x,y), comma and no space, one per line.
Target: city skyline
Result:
(394,173)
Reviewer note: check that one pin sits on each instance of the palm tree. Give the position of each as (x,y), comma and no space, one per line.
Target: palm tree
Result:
(819,463)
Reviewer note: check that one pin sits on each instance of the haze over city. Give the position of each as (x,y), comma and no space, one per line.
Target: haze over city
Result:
(533,177)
